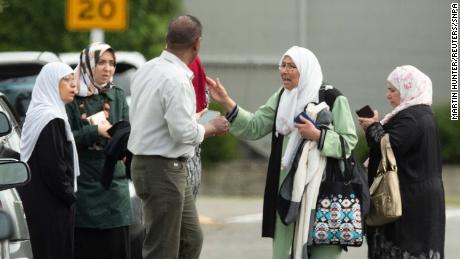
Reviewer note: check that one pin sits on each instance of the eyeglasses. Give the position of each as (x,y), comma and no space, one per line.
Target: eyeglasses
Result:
(289,67)
(68,78)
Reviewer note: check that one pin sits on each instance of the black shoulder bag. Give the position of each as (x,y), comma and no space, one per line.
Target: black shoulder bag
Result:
(338,217)
(343,198)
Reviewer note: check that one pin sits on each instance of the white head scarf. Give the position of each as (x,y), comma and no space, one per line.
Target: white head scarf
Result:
(293,101)
(414,87)
(46,104)
(84,72)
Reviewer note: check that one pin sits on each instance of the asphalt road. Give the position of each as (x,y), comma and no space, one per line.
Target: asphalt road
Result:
(232,228)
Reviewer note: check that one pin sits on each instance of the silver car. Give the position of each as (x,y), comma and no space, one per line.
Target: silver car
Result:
(13,173)
(19,245)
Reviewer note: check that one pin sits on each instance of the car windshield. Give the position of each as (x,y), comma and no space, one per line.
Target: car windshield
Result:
(18,91)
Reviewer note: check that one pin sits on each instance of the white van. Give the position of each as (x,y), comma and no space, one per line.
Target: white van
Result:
(18,71)
(127,64)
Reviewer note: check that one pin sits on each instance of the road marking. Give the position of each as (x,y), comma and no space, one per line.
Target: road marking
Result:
(452,214)
(249,218)
(243,219)
(207,220)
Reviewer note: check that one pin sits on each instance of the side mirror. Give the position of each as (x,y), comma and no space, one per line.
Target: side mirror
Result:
(13,173)
(6,225)
(5,125)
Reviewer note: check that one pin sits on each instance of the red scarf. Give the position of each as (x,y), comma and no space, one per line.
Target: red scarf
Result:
(199,83)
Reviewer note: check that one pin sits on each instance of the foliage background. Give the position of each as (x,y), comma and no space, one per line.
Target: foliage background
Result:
(229,147)
(40,25)
(218,149)
(449,133)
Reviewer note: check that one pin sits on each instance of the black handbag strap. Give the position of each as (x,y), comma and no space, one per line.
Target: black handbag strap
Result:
(342,144)
(348,172)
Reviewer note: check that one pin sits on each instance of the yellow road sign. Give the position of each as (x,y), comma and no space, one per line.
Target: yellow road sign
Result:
(103,14)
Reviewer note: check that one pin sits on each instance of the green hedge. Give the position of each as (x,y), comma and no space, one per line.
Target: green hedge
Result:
(217,149)
(449,132)
(361,149)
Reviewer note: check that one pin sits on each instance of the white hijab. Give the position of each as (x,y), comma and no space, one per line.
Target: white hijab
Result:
(293,101)
(414,87)
(46,105)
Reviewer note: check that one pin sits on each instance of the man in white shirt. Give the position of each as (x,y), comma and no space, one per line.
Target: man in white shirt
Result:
(164,133)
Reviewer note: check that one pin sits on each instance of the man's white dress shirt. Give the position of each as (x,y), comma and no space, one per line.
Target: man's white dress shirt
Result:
(162,110)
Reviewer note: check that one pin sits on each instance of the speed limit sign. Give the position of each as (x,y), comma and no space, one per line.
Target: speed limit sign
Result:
(90,14)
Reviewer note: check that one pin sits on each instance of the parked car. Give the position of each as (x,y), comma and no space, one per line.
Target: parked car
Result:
(19,245)
(127,64)
(18,71)
(13,173)
(7,230)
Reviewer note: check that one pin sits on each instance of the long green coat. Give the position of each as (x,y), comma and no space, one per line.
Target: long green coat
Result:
(98,207)
(253,126)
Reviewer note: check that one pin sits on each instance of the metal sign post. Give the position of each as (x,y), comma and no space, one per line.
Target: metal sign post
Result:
(96,35)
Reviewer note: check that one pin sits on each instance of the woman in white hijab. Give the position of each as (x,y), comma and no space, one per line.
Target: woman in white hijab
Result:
(302,78)
(415,141)
(48,146)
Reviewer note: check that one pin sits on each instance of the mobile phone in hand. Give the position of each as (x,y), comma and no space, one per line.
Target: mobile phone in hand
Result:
(305,115)
(365,112)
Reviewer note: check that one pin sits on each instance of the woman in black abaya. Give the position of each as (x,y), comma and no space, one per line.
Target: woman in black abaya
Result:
(48,146)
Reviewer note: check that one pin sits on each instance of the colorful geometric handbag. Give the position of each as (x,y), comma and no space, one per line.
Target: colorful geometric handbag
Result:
(343,198)
(338,218)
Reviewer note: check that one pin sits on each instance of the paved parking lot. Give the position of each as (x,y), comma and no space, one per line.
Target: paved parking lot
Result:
(232,229)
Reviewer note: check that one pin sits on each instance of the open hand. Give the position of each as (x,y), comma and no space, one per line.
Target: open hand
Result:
(219,94)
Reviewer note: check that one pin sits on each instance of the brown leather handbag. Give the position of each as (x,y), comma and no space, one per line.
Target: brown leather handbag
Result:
(386,204)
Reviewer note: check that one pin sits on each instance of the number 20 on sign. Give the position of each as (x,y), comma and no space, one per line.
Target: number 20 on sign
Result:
(90,14)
